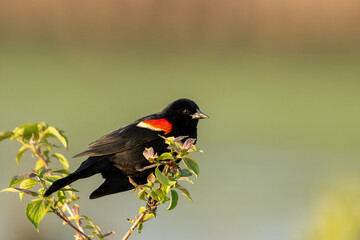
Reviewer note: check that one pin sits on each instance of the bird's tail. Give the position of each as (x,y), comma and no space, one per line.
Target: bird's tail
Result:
(91,166)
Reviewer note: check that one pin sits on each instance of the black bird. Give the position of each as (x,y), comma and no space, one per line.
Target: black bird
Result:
(118,155)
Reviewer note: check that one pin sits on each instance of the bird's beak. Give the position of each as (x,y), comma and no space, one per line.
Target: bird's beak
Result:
(199,115)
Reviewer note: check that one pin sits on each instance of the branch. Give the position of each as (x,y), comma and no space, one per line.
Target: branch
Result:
(150,208)
(138,221)
(62,215)
(79,230)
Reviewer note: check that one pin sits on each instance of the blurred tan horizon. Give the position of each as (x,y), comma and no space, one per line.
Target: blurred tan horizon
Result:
(257,24)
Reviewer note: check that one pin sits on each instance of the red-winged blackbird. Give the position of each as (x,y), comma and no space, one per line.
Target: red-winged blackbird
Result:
(118,156)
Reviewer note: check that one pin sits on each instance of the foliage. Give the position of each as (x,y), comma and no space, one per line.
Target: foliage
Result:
(161,188)
(36,138)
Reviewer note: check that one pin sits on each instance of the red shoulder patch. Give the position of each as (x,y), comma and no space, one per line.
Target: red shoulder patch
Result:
(157,125)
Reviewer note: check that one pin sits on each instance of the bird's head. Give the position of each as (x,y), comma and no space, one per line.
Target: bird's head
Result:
(183,112)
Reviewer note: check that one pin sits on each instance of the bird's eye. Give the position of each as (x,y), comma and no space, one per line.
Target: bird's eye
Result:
(186,112)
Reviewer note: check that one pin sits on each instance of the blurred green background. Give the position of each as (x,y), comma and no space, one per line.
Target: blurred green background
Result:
(280,80)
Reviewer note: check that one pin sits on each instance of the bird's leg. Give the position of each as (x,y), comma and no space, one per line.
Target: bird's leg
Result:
(135,184)
(147,167)
(132,182)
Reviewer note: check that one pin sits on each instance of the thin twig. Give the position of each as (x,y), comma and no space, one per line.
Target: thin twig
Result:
(150,208)
(40,156)
(79,230)
(138,221)
(68,209)
(61,215)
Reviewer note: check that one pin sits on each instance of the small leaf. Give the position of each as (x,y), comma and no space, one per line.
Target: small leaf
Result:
(27,191)
(184,191)
(30,131)
(163,179)
(62,160)
(52,178)
(165,189)
(148,216)
(28,183)
(151,178)
(130,220)
(140,227)
(142,194)
(149,154)
(36,210)
(165,156)
(173,200)
(21,152)
(10,190)
(188,143)
(89,227)
(62,171)
(4,135)
(186,179)
(57,133)
(185,173)
(42,126)
(19,190)
(159,195)
(18,179)
(142,209)
(191,164)
(39,164)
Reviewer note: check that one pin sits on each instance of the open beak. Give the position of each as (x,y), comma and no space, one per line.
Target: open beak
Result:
(199,115)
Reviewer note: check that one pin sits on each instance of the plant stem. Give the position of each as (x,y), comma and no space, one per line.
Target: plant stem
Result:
(62,215)
(79,228)
(138,221)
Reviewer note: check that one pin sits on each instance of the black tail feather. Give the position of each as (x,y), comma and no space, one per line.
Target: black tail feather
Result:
(91,166)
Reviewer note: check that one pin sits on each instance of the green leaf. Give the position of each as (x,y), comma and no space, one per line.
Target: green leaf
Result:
(52,178)
(62,171)
(30,130)
(36,210)
(184,191)
(140,227)
(159,195)
(148,216)
(142,194)
(10,190)
(39,164)
(28,183)
(185,173)
(57,133)
(142,209)
(62,160)
(163,179)
(165,189)
(191,164)
(42,126)
(130,220)
(165,156)
(21,152)
(173,200)
(20,190)
(18,179)
(4,135)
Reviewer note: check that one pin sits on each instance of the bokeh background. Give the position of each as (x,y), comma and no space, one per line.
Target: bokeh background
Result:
(280,80)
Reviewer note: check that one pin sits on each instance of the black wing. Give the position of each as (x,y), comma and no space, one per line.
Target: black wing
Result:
(121,140)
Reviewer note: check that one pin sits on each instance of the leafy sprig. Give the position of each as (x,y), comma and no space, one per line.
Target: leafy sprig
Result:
(36,139)
(162,186)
